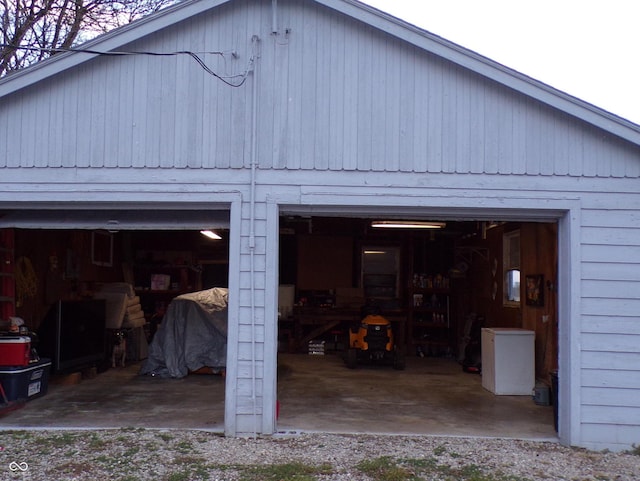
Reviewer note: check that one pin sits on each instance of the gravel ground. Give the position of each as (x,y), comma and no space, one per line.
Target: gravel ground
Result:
(169,455)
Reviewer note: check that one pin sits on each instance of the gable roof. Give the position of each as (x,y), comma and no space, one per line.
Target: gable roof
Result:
(358,11)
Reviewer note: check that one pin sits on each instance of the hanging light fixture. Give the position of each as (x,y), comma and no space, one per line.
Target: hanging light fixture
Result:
(210,234)
(407,224)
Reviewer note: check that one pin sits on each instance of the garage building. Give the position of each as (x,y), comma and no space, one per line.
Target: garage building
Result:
(323,116)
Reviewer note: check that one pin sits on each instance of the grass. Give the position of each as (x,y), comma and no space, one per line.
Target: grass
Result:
(294,471)
(386,468)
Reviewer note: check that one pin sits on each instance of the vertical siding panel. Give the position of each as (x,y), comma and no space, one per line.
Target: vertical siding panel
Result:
(434,122)
(492,127)
(377,85)
(450,94)
(4,132)
(462,134)
(98,117)
(169,92)
(188,107)
(477,132)
(242,98)
(41,158)
(632,163)
(125,124)
(269,101)
(281,103)
(154,109)
(337,85)
(576,152)
(222,107)
(365,105)
(604,158)
(54,152)
(308,98)
(210,114)
(83,100)
(351,90)
(519,151)
(505,132)
(14,134)
(113,114)
(533,139)
(196,156)
(27,122)
(408,128)
(322,95)
(590,154)
(421,116)
(143,105)
(547,145)
(393,96)
(294,110)
(562,135)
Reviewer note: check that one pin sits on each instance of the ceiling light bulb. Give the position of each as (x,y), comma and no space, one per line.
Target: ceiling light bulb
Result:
(210,234)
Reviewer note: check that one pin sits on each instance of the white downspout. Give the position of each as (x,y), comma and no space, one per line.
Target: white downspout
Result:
(252,234)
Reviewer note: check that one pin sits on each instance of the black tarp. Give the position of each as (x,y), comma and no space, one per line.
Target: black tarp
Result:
(192,335)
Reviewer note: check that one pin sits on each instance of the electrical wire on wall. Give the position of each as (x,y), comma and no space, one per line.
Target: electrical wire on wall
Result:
(231,80)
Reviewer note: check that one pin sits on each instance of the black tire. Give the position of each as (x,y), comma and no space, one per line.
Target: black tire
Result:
(352,358)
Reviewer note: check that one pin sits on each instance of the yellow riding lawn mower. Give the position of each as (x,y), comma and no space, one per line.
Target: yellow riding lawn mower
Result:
(373,342)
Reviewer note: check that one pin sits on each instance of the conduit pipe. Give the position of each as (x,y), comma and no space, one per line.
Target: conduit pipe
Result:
(255,45)
(274,17)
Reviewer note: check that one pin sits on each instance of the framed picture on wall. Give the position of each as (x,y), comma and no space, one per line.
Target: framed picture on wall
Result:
(534,290)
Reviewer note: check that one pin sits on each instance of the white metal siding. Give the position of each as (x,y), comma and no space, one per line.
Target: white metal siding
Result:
(334,95)
(611,319)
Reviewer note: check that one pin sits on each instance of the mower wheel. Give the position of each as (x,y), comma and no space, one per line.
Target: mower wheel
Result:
(352,358)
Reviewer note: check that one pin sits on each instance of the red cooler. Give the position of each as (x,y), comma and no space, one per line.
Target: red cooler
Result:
(15,350)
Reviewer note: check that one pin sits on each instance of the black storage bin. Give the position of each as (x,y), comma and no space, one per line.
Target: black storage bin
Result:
(25,382)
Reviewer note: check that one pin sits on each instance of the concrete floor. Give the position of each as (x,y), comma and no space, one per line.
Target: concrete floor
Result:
(316,393)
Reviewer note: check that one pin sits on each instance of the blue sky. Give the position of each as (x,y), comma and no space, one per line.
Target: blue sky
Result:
(587,48)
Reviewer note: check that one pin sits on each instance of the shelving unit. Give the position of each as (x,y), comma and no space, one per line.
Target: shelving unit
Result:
(430,326)
(429,320)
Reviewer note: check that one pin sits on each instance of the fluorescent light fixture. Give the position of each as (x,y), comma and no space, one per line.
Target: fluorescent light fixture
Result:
(375,252)
(407,224)
(210,234)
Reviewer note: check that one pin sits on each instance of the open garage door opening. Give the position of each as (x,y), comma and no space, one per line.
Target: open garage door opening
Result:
(124,314)
(473,311)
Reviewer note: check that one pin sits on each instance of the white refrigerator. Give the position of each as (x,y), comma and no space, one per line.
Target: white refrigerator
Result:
(508,361)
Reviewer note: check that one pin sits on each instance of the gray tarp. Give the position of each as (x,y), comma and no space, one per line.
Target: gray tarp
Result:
(192,335)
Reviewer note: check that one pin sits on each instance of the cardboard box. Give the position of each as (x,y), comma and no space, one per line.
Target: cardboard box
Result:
(15,350)
(25,383)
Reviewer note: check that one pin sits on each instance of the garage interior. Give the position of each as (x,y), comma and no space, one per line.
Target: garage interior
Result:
(438,287)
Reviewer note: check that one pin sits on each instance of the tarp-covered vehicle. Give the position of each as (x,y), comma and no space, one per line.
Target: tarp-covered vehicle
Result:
(192,336)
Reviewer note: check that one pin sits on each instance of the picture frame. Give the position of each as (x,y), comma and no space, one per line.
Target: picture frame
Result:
(534,290)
